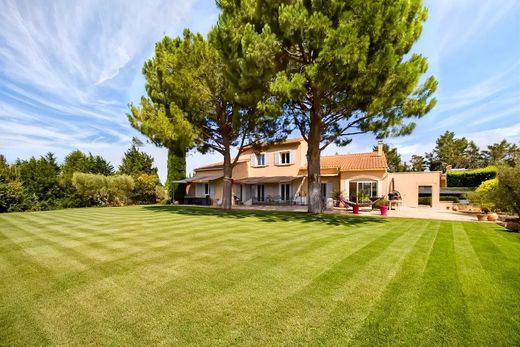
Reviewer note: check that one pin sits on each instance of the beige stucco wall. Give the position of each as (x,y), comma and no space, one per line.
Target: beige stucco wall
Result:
(407,183)
(272,169)
(376,175)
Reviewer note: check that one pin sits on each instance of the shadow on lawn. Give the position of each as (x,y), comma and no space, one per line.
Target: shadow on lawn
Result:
(267,216)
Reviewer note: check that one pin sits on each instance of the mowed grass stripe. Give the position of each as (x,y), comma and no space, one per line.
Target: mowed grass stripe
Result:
(312,303)
(262,282)
(198,276)
(441,316)
(389,320)
(482,296)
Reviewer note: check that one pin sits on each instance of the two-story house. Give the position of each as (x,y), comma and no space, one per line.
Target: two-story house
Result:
(278,174)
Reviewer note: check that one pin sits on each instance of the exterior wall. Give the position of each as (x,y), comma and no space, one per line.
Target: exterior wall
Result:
(407,183)
(376,175)
(272,169)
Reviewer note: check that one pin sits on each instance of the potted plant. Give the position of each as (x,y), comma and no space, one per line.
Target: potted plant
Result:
(382,204)
(482,217)
(492,216)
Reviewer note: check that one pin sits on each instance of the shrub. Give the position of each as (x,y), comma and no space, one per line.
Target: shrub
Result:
(12,197)
(425,200)
(451,198)
(144,190)
(487,186)
(161,194)
(506,195)
(103,190)
(470,178)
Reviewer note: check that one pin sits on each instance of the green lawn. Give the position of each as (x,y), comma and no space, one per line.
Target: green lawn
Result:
(186,276)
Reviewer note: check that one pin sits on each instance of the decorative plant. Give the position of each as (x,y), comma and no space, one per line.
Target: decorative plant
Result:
(381,202)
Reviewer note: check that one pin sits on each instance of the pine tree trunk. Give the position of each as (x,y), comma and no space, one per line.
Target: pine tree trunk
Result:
(227,184)
(313,165)
(176,171)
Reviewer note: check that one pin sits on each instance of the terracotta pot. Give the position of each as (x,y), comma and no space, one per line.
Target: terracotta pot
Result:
(482,217)
(492,217)
(341,204)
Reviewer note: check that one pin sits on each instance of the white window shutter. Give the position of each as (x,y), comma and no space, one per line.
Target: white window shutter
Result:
(291,156)
(266,159)
(253,159)
(277,158)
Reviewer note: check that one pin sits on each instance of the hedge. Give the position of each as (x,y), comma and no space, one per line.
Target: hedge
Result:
(470,178)
(451,198)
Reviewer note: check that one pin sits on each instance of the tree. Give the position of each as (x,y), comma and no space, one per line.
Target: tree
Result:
(393,158)
(417,163)
(159,118)
(502,152)
(221,116)
(136,162)
(342,67)
(453,151)
(40,180)
(506,195)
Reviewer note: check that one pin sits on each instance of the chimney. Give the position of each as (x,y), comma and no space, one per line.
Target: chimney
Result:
(380,148)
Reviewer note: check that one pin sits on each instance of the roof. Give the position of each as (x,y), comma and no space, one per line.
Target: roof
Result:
(286,142)
(217,165)
(268,179)
(357,161)
(200,179)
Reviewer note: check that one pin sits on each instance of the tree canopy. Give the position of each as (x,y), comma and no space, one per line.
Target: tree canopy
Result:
(340,68)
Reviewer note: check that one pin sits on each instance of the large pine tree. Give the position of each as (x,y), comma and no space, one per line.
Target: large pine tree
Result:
(341,68)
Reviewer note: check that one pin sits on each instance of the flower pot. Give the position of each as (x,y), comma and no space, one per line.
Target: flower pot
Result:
(482,217)
(341,204)
(492,217)
(384,210)
(355,209)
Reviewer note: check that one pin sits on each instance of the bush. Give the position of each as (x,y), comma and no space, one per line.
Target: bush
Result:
(506,195)
(12,197)
(103,190)
(470,178)
(451,198)
(144,190)
(161,194)
(487,186)
(425,200)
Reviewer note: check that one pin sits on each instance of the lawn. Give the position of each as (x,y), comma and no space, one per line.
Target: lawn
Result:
(188,276)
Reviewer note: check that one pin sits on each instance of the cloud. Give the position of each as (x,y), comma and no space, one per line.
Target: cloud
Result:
(65,68)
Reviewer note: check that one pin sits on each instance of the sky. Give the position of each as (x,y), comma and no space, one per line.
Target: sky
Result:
(69,69)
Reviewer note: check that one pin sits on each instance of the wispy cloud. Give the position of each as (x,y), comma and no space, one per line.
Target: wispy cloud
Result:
(66,67)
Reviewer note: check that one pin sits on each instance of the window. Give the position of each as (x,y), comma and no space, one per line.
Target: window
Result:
(324,190)
(285,158)
(285,191)
(260,191)
(362,191)
(206,189)
(260,159)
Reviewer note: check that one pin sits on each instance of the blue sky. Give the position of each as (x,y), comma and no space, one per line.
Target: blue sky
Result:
(69,69)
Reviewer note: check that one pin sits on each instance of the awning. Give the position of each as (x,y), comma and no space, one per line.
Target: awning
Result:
(200,179)
(269,179)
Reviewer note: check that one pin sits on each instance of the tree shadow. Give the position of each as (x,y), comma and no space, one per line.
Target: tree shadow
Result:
(268,216)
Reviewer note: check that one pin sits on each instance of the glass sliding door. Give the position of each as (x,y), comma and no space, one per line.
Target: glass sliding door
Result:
(362,191)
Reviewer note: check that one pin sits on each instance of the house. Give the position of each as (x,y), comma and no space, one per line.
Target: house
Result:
(278,175)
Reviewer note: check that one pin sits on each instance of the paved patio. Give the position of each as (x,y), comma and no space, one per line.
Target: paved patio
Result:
(403,212)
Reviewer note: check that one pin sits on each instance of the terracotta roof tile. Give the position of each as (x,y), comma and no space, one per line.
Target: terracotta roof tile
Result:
(357,161)
(217,165)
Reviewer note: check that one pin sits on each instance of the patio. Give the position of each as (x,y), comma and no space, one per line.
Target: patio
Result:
(403,212)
